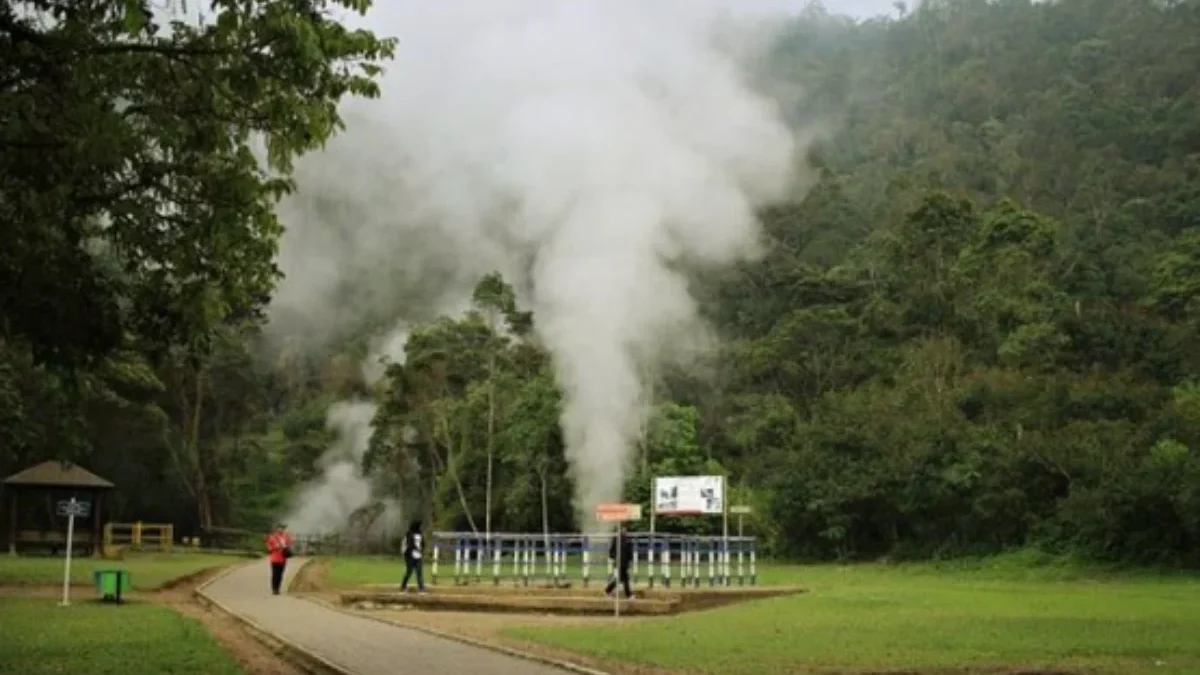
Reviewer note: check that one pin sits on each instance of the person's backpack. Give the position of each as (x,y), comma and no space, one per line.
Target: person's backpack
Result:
(412,545)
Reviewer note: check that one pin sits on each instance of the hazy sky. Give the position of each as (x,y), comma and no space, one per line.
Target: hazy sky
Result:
(863,8)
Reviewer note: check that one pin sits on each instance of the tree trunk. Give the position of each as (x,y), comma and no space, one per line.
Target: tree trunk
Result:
(462,497)
(430,513)
(453,471)
(203,496)
(491,432)
(179,450)
(187,453)
(436,468)
(545,508)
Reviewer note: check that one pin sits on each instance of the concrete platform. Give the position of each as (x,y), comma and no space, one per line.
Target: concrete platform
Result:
(482,602)
(483,598)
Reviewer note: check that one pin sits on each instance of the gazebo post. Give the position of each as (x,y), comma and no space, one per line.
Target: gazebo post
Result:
(12,522)
(97,544)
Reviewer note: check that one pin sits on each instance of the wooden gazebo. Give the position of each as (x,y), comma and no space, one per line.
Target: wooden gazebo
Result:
(32,500)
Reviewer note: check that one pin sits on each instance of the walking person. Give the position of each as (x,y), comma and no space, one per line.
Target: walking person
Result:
(621,557)
(414,543)
(279,549)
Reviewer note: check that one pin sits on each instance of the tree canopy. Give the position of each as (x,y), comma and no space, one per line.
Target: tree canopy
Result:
(133,203)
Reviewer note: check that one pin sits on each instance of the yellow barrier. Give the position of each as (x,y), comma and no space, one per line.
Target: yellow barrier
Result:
(140,536)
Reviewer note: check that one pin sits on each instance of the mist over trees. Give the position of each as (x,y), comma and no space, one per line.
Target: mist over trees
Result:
(980,330)
(139,233)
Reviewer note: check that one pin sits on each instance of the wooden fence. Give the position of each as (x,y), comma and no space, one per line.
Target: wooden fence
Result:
(139,536)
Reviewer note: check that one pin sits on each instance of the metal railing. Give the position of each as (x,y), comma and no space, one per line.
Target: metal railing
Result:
(555,560)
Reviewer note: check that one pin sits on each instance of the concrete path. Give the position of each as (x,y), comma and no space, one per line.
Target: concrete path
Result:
(359,645)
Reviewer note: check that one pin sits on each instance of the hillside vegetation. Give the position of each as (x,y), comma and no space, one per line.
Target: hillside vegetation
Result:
(979,331)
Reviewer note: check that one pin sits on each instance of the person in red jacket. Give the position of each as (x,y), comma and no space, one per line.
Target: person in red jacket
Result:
(279,549)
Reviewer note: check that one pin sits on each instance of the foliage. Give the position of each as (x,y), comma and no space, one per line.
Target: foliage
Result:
(131,198)
(139,231)
(979,330)
(469,385)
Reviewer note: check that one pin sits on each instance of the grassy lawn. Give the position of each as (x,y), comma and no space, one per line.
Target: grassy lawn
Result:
(147,571)
(1018,610)
(40,638)
(352,571)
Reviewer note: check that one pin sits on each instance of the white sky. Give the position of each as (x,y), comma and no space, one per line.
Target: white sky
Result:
(863,9)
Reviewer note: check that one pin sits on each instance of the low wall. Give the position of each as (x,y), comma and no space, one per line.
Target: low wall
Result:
(652,602)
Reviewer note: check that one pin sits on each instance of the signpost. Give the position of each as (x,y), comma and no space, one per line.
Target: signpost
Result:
(70,508)
(619,514)
(740,511)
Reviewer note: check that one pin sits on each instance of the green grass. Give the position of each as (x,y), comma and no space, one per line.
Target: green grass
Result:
(40,638)
(1023,609)
(352,571)
(922,616)
(147,571)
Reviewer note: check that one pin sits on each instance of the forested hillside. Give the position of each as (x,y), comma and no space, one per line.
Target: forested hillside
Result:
(979,330)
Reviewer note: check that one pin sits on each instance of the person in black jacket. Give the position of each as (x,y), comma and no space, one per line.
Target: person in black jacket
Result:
(621,561)
(414,543)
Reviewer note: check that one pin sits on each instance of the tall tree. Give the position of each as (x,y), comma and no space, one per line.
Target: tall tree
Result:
(131,195)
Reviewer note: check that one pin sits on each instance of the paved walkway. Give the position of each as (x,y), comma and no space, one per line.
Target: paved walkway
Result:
(359,645)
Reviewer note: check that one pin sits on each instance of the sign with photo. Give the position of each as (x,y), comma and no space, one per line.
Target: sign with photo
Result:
(689,495)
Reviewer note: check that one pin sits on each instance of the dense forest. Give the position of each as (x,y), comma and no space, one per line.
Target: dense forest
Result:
(979,330)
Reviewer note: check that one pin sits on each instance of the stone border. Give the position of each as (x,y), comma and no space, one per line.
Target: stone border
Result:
(293,653)
(471,642)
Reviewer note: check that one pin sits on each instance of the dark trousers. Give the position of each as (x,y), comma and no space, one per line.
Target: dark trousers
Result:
(277,576)
(623,577)
(413,565)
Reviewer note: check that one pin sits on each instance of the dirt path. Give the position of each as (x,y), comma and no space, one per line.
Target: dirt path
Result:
(359,645)
(255,657)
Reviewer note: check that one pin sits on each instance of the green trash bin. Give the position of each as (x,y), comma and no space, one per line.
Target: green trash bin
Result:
(112,584)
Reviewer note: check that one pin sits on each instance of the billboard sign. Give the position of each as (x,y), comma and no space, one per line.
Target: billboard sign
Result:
(689,495)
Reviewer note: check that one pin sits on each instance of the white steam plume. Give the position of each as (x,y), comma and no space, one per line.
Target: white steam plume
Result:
(327,504)
(614,143)
(342,490)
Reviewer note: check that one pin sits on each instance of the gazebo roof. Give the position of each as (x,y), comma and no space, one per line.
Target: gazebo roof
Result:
(53,473)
